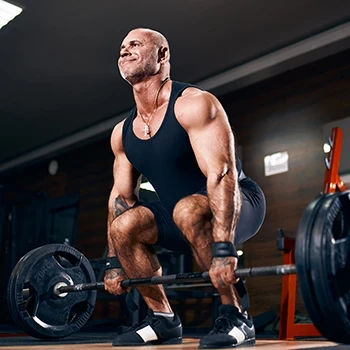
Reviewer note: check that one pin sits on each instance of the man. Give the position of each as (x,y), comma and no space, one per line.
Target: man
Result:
(179,138)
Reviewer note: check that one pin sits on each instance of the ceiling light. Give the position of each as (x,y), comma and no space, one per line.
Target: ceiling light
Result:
(8,12)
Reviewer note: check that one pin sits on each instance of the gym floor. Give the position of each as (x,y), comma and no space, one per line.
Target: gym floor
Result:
(192,343)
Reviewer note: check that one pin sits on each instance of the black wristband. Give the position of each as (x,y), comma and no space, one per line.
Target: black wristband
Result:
(112,263)
(223,249)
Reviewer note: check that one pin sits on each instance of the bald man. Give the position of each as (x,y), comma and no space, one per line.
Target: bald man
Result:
(179,137)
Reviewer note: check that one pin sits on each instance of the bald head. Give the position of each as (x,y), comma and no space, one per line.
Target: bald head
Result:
(157,38)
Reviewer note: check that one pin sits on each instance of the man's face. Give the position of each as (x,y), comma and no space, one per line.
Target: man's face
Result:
(138,57)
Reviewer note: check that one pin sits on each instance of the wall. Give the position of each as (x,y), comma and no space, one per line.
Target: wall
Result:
(87,171)
(285,113)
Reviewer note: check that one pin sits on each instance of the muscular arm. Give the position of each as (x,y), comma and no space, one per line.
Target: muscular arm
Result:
(212,140)
(126,181)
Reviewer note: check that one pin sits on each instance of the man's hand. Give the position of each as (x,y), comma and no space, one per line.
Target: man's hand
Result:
(112,281)
(222,271)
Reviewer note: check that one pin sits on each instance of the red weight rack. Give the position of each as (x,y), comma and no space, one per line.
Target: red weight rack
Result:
(288,329)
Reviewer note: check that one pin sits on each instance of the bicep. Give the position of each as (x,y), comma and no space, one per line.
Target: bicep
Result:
(126,178)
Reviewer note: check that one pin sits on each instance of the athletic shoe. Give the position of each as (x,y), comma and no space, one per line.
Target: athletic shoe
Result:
(232,329)
(153,330)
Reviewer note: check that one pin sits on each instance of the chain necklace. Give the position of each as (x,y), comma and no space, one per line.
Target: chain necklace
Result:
(147,128)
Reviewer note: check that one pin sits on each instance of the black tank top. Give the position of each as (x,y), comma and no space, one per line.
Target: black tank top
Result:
(166,159)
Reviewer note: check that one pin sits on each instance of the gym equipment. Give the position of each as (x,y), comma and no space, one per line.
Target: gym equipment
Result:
(52,289)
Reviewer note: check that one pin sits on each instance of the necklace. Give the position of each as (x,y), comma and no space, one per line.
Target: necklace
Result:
(147,128)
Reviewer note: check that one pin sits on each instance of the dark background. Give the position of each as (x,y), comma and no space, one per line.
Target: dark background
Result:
(281,71)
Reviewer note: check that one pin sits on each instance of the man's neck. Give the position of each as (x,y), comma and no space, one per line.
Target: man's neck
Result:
(145,95)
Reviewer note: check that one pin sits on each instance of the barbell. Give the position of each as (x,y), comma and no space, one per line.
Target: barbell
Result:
(52,289)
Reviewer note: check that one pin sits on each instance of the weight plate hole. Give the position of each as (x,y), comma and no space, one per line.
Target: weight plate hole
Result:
(77,310)
(338,227)
(29,299)
(66,261)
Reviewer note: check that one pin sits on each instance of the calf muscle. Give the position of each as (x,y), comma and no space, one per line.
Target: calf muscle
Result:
(132,235)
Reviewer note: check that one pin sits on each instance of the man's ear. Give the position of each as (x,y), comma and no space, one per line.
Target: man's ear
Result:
(162,54)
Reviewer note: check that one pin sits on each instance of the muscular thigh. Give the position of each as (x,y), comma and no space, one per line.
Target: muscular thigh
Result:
(137,224)
(169,235)
(195,210)
(253,211)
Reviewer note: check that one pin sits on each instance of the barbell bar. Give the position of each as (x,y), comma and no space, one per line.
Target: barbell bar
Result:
(190,277)
(42,281)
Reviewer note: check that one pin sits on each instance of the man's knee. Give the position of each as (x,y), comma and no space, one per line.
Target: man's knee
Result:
(190,211)
(122,227)
(127,227)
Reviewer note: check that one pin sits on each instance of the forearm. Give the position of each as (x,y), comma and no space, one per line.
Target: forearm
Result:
(117,206)
(225,203)
(111,251)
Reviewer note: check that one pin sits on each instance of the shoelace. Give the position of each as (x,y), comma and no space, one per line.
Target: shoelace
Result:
(223,325)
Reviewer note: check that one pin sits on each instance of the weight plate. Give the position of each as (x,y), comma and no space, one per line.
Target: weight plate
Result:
(303,266)
(330,264)
(31,300)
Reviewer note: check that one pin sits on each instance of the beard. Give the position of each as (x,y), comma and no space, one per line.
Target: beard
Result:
(138,74)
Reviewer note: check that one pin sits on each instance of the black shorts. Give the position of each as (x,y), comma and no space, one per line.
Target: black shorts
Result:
(251,218)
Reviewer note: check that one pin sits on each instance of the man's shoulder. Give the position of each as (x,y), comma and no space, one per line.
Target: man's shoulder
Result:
(194,97)
(185,86)
(119,126)
(117,131)
(195,107)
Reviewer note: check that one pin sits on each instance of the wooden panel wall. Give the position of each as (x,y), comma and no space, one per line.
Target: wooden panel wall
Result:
(285,113)
(87,171)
